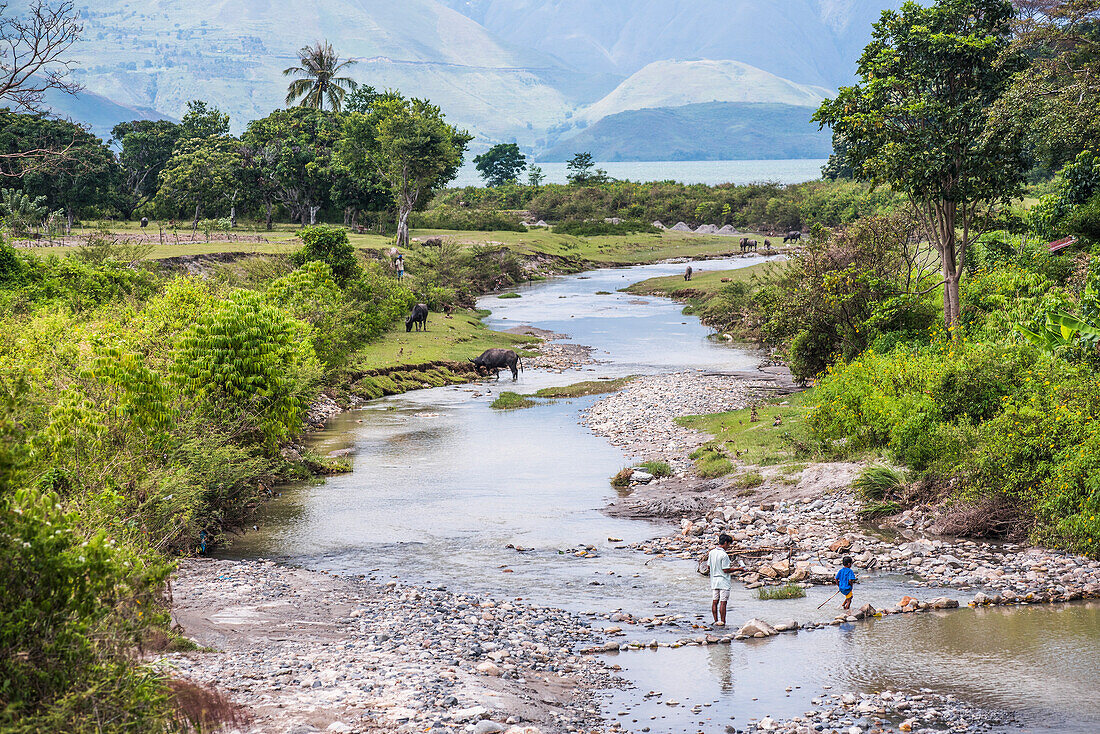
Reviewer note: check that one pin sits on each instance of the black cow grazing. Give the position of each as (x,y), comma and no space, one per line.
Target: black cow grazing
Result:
(687,273)
(494,360)
(793,236)
(144,222)
(418,316)
(747,244)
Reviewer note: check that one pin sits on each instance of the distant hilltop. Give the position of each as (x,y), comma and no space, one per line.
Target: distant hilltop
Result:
(538,73)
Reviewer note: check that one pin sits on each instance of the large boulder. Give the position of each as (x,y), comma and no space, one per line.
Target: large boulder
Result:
(943,602)
(842,544)
(755,627)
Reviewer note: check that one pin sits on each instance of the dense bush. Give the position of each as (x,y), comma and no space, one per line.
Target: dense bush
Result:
(446,274)
(248,365)
(466,220)
(73,614)
(328,245)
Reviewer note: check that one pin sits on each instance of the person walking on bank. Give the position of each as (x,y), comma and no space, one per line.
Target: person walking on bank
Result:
(845,577)
(719,562)
(400,266)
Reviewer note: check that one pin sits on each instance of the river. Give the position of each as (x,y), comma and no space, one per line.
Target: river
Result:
(445,490)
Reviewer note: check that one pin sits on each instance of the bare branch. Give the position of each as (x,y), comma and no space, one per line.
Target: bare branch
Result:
(33,53)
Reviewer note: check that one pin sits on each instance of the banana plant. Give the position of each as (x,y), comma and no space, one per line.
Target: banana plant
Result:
(1059,329)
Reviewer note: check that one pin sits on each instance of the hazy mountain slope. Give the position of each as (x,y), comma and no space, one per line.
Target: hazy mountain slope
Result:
(677,83)
(98,113)
(163,53)
(808,41)
(714,131)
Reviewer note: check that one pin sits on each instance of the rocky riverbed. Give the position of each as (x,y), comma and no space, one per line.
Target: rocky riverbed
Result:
(308,651)
(641,418)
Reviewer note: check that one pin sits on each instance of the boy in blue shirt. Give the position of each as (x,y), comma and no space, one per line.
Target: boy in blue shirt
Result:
(845,577)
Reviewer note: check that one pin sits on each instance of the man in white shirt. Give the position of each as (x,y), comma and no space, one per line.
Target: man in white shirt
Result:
(719,562)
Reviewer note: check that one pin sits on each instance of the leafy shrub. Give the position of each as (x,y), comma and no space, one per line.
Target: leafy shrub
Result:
(247,364)
(466,220)
(877,483)
(74,610)
(711,461)
(329,245)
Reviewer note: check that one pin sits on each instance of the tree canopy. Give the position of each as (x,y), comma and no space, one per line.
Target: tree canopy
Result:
(918,120)
(317,82)
(500,164)
(409,145)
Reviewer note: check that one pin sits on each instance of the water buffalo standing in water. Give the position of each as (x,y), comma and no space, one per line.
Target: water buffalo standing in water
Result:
(793,236)
(494,360)
(418,316)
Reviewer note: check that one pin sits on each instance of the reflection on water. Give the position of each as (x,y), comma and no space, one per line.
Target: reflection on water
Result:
(1040,663)
(443,485)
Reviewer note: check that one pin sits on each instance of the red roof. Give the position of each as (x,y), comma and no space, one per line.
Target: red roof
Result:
(1062,243)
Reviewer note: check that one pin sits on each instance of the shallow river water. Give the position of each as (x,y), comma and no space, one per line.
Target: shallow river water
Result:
(443,485)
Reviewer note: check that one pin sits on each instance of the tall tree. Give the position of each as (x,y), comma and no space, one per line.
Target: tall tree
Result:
(203,121)
(582,171)
(88,175)
(144,149)
(410,147)
(918,118)
(318,68)
(1054,104)
(33,60)
(500,164)
(292,151)
(202,173)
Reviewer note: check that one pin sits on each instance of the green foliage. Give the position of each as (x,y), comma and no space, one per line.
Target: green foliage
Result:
(466,220)
(512,401)
(247,365)
(748,480)
(877,482)
(1057,213)
(74,610)
(711,461)
(596,228)
(500,164)
(146,146)
(203,121)
(582,171)
(19,212)
(202,175)
(329,245)
(318,79)
(787,591)
(657,468)
(409,146)
(586,387)
(509,295)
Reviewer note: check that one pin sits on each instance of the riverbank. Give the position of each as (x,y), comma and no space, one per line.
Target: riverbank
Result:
(794,523)
(305,651)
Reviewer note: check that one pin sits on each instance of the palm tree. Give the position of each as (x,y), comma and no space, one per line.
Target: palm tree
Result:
(318,67)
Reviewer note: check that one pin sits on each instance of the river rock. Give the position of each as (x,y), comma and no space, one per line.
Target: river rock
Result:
(488,726)
(840,545)
(756,626)
(641,477)
(786,626)
(488,668)
(942,602)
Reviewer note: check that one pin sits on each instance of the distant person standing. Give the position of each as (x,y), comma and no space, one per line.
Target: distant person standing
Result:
(400,266)
(719,562)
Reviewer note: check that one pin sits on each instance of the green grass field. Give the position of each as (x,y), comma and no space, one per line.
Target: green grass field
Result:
(760,442)
(456,337)
(704,283)
(609,249)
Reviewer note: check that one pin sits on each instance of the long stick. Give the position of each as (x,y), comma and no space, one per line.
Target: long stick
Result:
(827,600)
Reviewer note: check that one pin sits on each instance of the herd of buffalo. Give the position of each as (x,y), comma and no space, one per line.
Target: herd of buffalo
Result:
(495,360)
(491,360)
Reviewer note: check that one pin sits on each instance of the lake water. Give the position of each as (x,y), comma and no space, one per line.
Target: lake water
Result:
(443,485)
(688,172)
